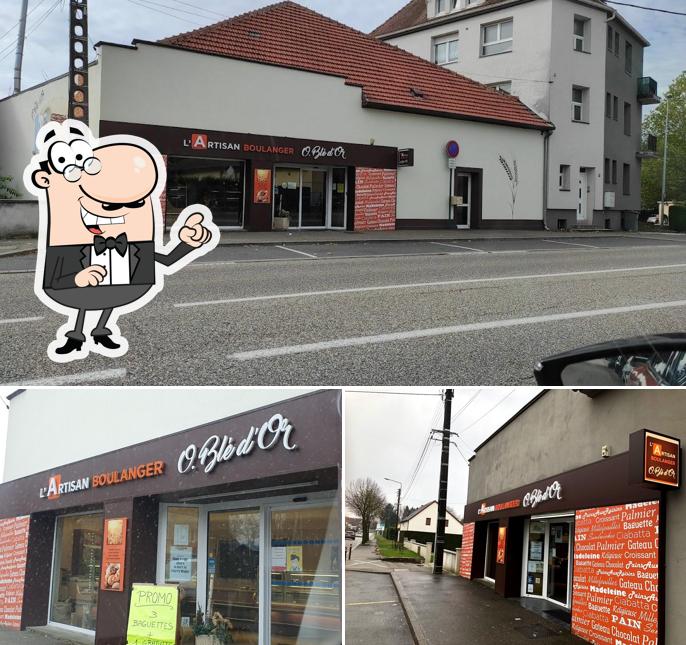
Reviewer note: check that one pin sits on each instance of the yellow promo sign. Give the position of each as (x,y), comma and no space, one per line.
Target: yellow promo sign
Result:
(153,615)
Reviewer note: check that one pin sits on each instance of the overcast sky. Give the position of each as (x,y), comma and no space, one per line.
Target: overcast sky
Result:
(46,51)
(385,434)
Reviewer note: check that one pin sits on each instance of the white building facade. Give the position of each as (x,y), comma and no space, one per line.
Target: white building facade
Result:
(577,63)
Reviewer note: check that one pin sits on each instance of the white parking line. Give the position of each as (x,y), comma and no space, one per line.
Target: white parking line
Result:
(445,331)
(309,255)
(372,602)
(67,379)
(458,246)
(588,246)
(11,321)
(418,285)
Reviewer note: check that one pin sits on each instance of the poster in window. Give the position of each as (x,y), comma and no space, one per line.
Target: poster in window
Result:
(181,534)
(294,559)
(181,563)
(502,538)
(114,555)
(263,186)
(278,558)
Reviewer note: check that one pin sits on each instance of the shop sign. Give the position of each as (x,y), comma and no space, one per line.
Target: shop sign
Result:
(661,462)
(485,510)
(153,615)
(217,450)
(56,487)
(262,186)
(502,540)
(113,555)
(538,496)
(322,152)
(616,586)
(405,157)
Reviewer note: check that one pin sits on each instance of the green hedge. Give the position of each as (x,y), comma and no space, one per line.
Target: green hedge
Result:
(677,218)
(452,542)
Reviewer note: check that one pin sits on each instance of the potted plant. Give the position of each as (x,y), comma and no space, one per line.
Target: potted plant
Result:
(203,629)
(222,629)
(282,220)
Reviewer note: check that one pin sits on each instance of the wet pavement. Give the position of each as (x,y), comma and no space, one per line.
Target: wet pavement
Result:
(30,637)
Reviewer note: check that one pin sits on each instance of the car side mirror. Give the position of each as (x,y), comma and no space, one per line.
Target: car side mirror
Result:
(643,362)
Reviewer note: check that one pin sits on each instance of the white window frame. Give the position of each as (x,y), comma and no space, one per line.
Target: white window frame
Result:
(264,506)
(444,6)
(446,40)
(499,24)
(581,105)
(583,38)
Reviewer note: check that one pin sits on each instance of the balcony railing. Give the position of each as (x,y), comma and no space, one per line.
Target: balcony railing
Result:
(647,91)
(649,148)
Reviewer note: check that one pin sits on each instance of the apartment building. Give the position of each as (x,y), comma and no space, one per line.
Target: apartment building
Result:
(577,63)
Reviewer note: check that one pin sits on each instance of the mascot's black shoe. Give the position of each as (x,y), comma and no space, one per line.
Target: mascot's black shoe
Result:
(72,345)
(106,342)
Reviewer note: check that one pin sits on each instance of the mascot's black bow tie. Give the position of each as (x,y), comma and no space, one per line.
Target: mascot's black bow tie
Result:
(121,243)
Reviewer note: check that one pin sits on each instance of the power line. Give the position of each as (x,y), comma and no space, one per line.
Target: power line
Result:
(6,51)
(195,6)
(394,393)
(171,15)
(638,6)
(466,405)
(483,416)
(28,13)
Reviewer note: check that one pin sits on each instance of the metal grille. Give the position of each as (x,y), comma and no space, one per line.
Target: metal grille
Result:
(78,60)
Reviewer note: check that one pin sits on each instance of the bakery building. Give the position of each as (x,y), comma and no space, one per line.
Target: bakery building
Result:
(591,535)
(241,513)
(283,117)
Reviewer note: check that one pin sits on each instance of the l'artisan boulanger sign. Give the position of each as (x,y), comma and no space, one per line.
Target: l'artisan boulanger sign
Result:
(56,487)
(654,460)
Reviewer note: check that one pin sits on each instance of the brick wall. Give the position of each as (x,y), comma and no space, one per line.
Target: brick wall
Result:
(14,538)
(375,199)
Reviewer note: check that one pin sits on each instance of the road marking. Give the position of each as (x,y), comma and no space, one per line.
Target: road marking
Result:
(83,377)
(309,255)
(418,285)
(588,246)
(372,602)
(11,321)
(457,246)
(445,331)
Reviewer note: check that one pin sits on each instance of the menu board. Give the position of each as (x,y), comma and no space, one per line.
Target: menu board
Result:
(153,615)
(467,549)
(616,553)
(14,538)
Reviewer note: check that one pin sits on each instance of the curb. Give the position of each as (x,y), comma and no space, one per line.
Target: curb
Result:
(413,623)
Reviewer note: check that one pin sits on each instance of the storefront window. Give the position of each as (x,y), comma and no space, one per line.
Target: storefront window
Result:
(558,562)
(214,183)
(338,196)
(535,564)
(233,564)
(181,557)
(76,570)
(313,198)
(306,585)
(287,195)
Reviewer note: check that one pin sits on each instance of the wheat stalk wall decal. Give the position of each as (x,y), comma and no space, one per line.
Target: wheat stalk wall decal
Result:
(512,173)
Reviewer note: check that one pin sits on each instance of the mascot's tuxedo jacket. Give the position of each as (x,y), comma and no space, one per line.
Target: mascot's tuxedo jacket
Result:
(62,263)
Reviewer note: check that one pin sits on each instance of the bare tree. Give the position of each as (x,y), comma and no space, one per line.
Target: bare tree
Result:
(365,497)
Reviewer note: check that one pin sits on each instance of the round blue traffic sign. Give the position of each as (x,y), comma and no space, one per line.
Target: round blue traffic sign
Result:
(453,149)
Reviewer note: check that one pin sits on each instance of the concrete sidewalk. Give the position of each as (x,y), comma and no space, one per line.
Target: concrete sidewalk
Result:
(46,636)
(18,246)
(366,560)
(446,610)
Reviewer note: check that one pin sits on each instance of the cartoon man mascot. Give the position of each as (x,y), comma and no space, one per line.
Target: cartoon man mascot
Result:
(100,237)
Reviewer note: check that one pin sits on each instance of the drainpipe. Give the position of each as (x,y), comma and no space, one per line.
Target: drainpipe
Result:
(546,172)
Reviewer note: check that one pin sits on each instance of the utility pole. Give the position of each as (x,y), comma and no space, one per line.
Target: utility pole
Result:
(78,60)
(19,58)
(443,484)
(664,165)
(397,512)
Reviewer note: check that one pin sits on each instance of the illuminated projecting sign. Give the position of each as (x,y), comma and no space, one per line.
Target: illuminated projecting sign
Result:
(661,464)
(217,450)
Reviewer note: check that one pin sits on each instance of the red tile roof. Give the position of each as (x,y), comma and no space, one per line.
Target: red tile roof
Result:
(289,35)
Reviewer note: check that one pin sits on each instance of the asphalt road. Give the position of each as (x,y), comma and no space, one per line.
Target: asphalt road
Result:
(405,313)
(373,613)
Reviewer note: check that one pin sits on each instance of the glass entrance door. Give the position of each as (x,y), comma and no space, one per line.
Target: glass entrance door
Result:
(491,550)
(462,212)
(338,197)
(311,197)
(548,562)
(233,564)
(314,197)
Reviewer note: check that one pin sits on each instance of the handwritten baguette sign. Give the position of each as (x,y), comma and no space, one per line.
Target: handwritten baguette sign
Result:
(153,615)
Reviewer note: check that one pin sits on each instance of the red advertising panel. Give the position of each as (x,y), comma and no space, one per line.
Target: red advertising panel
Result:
(615,597)
(467,550)
(375,199)
(262,193)
(502,538)
(661,464)
(14,539)
(113,555)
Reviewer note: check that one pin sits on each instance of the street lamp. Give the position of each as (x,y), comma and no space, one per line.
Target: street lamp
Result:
(664,163)
(397,512)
